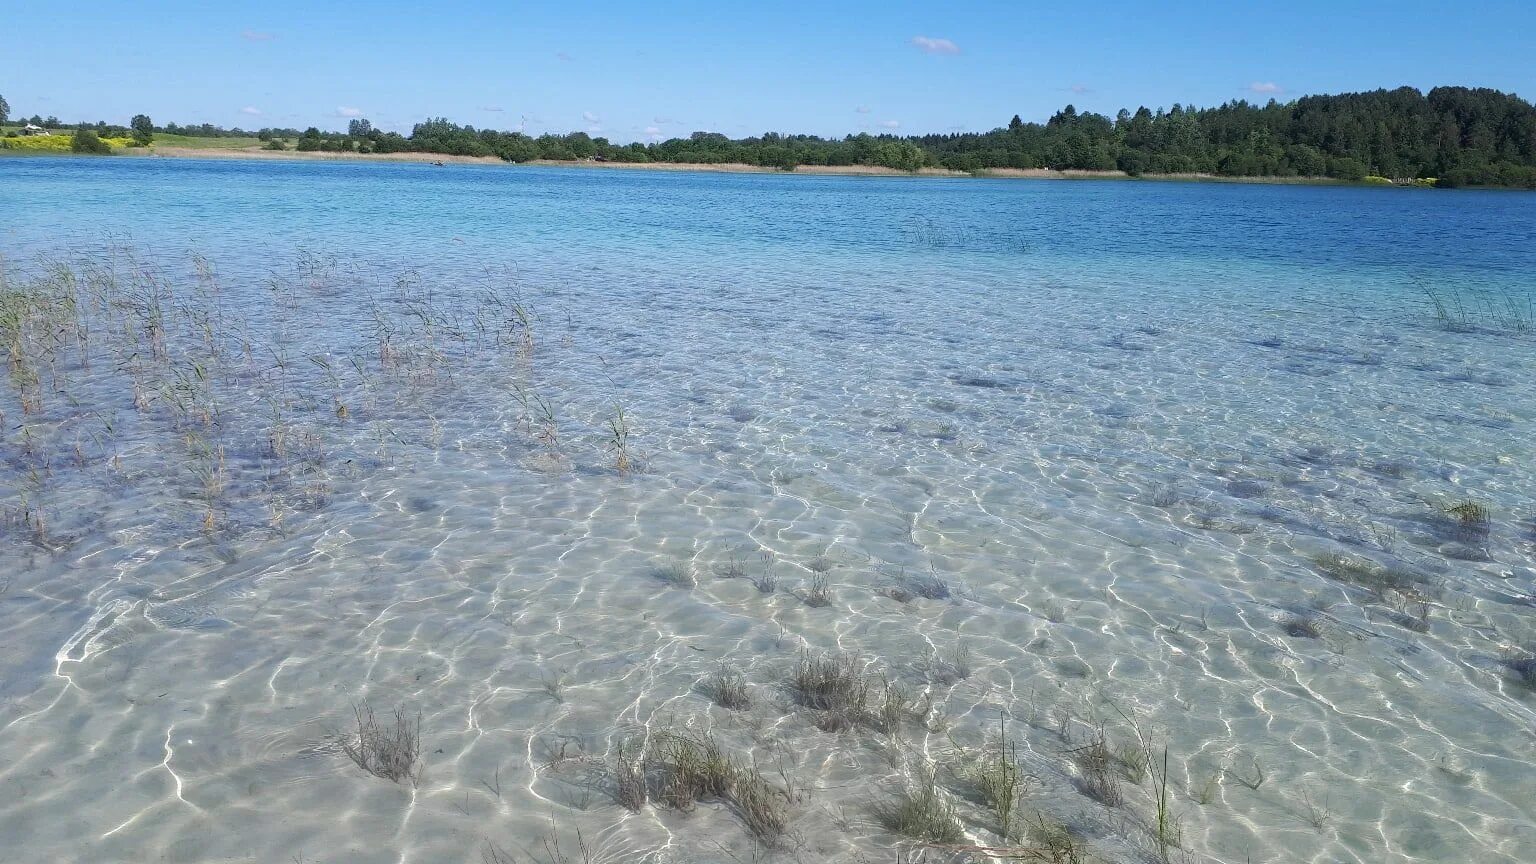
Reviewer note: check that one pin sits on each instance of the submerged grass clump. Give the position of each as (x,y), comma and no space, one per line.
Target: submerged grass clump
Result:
(686,768)
(553,683)
(1521,662)
(678,574)
(1301,626)
(1410,615)
(629,777)
(1163,495)
(727,688)
(929,586)
(390,751)
(841,696)
(1380,581)
(949,669)
(1166,827)
(1473,519)
(896,705)
(618,440)
(761,806)
(765,580)
(690,768)
(735,567)
(921,811)
(818,593)
(1056,843)
(832,685)
(1134,759)
(999,779)
(1481,311)
(1312,811)
(1096,762)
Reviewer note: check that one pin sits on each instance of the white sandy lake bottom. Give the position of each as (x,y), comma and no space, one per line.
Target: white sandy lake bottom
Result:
(234,514)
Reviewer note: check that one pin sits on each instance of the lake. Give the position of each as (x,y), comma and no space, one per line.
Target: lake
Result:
(882,485)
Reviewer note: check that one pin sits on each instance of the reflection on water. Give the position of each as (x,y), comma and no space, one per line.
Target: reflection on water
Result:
(563,462)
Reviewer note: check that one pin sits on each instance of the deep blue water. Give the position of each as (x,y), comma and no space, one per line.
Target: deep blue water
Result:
(809,229)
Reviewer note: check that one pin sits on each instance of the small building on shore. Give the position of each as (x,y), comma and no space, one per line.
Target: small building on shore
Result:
(32,129)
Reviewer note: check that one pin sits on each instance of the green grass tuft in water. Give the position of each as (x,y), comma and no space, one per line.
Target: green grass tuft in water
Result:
(921,811)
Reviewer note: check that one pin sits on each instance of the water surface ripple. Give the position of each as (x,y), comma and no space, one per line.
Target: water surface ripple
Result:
(1183,457)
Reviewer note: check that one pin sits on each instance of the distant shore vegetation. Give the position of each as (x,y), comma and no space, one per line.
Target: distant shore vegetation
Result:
(1451,136)
(78,141)
(40,135)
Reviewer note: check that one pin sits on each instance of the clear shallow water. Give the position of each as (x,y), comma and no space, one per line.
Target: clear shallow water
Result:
(1119,420)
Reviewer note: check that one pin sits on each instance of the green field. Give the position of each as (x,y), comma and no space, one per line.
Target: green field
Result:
(164,140)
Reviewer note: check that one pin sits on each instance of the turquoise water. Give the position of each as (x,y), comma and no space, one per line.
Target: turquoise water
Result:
(556,218)
(299,447)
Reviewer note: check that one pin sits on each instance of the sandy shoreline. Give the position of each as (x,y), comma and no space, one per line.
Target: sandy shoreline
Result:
(433,158)
(743,168)
(715,168)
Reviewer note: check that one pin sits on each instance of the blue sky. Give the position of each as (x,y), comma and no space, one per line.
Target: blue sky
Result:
(633,71)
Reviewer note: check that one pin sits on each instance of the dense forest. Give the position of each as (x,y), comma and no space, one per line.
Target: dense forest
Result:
(1455,135)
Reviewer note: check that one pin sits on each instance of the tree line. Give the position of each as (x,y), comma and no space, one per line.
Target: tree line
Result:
(87,137)
(1457,136)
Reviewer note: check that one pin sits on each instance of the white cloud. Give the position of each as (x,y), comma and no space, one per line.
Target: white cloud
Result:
(653,132)
(931,45)
(1080,89)
(254,112)
(1265,87)
(590,117)
(344,111)
(891,124)
(257,36)
(862,109)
